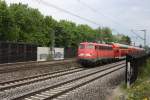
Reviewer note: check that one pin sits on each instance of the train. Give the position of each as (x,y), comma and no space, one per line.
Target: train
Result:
(90,53)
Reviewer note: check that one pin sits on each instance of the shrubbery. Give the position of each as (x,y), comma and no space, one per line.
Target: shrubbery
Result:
(140,90)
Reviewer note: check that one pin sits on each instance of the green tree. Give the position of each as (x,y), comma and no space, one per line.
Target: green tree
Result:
(86,33)
(125,40)
(29,23)
(107,34)
(49,27)
(65,33)
(99,34)
(20,23)
(7,28)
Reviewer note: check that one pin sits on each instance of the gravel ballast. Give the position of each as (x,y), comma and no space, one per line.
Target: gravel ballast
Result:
(99,89)
(25,89)
(35,71)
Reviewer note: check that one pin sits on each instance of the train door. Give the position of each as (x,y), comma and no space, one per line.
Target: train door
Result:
(116,53)
(97,51)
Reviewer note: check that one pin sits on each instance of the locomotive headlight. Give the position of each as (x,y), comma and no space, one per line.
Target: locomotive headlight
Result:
(88,54)
(81,54)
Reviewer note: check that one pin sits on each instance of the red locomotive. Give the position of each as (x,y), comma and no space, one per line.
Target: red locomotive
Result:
(93,53)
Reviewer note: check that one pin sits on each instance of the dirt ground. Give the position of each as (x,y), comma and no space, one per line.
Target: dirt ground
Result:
(117,94)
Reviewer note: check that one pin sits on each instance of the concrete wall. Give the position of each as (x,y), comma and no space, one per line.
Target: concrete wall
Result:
(59,53)
(44,53)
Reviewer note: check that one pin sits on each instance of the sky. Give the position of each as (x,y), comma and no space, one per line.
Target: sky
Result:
(121,16)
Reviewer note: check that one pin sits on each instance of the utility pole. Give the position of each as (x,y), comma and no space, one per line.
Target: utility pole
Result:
(133,43)
(144,37)
(99,35)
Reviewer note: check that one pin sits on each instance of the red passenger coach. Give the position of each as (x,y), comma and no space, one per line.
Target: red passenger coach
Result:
(120,50)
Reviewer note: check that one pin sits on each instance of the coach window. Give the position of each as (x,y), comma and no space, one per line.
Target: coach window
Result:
(96,47)
(109,48)
(100,47)
(105,48)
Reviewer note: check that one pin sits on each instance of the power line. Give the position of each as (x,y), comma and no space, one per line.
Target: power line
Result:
(68,12)
(137,35)
(80,17)
(97,11)
(144,30)
(100,12)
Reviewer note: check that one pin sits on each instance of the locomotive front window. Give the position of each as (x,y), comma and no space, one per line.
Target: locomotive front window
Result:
(90,46)
(81,46)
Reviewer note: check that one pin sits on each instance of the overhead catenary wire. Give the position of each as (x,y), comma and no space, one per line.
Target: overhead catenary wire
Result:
(67,12)
(73,14)
(112,20)
(81,17)
(98,12)
(137,35)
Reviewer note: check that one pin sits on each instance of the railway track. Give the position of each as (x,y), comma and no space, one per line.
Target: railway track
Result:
(32,62)
(5,68)
(81,77)
(30,80)
(52,92)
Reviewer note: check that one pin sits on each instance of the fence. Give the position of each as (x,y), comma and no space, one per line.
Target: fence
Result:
(70,52)
(17,52)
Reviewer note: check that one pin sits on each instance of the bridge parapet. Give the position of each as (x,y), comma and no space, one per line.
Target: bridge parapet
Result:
(133,64)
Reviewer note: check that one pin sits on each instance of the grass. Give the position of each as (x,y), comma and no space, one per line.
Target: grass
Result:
(140,90)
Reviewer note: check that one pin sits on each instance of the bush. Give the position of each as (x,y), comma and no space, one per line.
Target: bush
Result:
(140,90)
